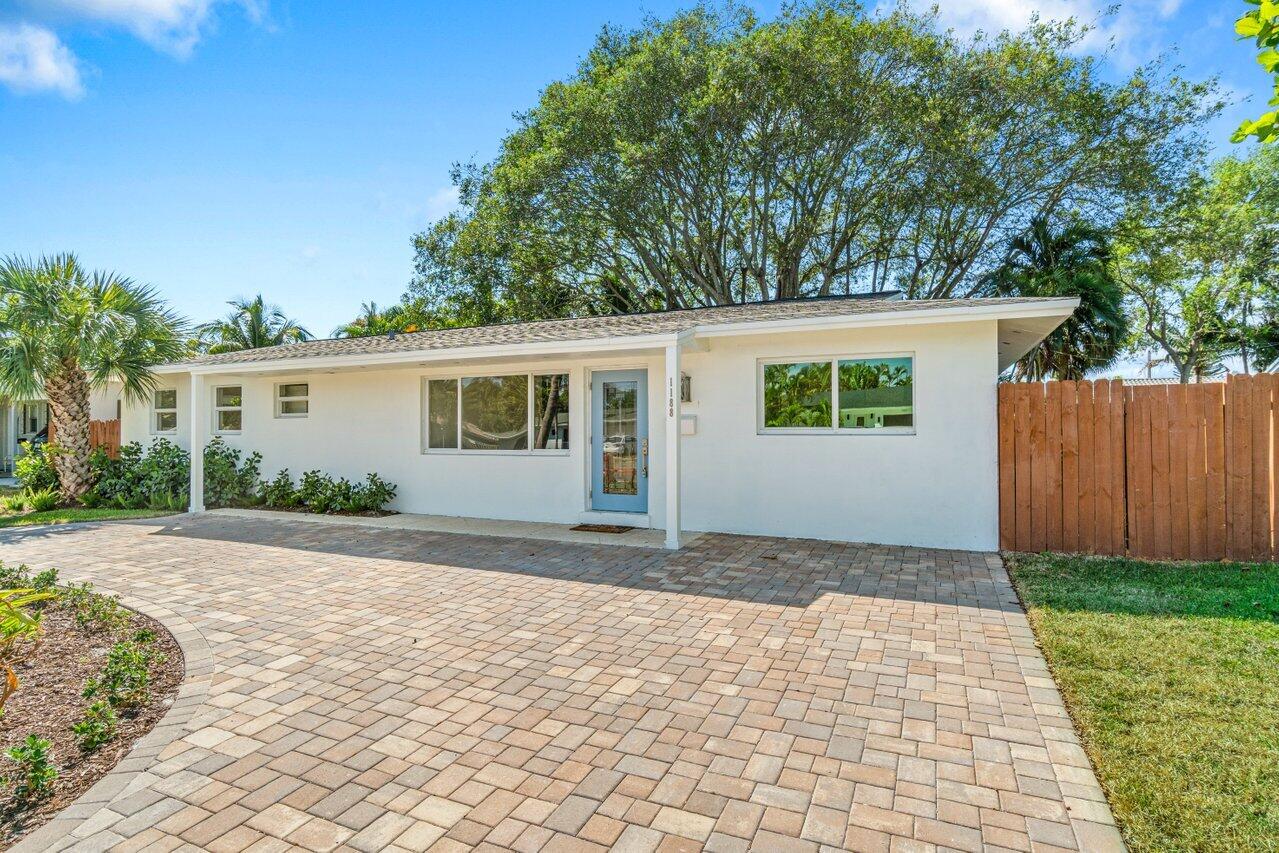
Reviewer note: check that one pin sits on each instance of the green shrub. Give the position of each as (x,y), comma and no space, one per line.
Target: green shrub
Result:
(92,611)
(227,482)
(34,467)
(126,679)
(14,577)
(33,779)
(279,492)
(155,478)
(96,727)
(44,581)
(13,503)
(43,500)
(321,493)
(375,493)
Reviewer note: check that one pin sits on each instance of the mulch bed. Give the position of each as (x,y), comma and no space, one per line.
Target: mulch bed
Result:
(48,702)
(301,510)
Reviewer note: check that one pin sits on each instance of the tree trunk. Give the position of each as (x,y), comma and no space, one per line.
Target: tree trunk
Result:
(548,417)
(68,395)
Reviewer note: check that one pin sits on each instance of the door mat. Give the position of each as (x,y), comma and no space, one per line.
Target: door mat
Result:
(602,528)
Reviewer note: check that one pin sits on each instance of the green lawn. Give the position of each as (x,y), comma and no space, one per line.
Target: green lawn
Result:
(66,516)
(1171,671)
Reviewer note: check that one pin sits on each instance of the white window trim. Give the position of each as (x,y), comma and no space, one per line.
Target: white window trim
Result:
(156,411)
(217,410)
(457,379)
(760,429)
(280,401)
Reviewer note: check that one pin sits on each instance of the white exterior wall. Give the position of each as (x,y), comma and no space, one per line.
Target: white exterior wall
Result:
(937,487)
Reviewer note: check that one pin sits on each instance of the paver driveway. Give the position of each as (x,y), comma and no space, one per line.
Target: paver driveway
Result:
(376,689)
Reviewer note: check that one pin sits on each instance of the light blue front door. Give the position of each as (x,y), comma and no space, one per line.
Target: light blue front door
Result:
(619,440)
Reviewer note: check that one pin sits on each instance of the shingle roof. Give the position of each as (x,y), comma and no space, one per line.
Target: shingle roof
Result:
(594,328)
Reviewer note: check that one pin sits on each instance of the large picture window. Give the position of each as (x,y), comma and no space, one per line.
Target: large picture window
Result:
(838,394)
(513,413)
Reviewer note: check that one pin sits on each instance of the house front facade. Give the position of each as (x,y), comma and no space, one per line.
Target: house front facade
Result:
(847,418)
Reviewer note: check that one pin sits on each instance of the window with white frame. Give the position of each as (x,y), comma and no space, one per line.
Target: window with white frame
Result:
(292,400)
(164,410)
(852,394)
(519,412)
(228,408)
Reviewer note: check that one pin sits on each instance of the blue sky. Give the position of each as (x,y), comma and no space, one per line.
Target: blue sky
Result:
(218,149)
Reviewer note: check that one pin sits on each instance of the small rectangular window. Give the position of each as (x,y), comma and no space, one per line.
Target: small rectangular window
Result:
(228,406)
(292,400)
(875,393)
(550,412)
(797,395)
(441,405)
(164,416)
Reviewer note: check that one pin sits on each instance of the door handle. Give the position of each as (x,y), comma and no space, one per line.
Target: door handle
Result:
(644,450)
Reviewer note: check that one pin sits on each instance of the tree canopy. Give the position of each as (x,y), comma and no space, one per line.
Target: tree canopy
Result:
(713,158)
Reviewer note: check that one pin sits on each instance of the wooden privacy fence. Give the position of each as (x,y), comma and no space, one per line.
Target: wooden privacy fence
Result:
(104,434)
(1158,471)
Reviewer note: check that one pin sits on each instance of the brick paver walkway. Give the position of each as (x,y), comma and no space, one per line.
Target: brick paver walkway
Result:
(401,690)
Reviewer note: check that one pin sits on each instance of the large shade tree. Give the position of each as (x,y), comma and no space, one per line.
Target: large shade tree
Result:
(1071,260)
(714,158)
(65,331)
(251,323)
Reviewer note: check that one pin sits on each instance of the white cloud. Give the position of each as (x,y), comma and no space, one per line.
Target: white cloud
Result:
(173,26)
(441,202)
(33,59)
(1132,28)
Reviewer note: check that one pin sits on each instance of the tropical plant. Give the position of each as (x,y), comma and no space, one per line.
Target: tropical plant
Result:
(1262,26)
(126,679)
(34,467)
(227,481)
(96,727)
(713,158)
(408,316)
(1071,260)
(36,773)
(65,332)
(157,477)
(252,323)
(13,503)
(41,501)
(279,491)
(94,612)
(19,633)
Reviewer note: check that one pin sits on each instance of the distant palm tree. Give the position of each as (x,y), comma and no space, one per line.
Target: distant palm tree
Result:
(250,325)
(65,332)
(1072,261)
(373,321)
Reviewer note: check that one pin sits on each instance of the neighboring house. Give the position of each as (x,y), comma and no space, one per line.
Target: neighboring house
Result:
(715,419)
(28,420)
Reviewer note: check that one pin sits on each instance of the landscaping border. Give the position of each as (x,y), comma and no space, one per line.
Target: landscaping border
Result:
(60,832)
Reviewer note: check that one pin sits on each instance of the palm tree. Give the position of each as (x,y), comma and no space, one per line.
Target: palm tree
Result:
(1072,261)
(251,324)
(65,332)
(373,321)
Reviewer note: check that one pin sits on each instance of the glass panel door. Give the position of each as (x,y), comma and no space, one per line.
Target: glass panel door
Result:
(619,441)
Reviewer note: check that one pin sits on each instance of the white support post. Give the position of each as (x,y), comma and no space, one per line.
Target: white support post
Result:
(672,445)
(199,416)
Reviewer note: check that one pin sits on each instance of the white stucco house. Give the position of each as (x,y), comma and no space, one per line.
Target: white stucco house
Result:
(863,418)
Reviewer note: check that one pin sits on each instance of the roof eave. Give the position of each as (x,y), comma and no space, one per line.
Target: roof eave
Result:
(1053,311)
